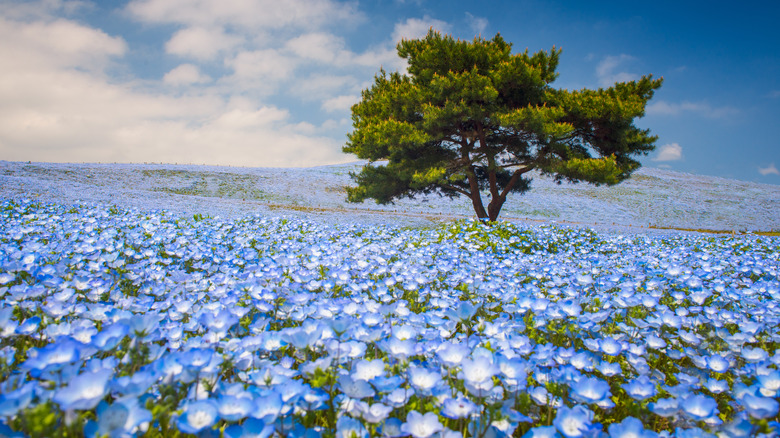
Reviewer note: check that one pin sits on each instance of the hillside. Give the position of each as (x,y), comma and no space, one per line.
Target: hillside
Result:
(652,197)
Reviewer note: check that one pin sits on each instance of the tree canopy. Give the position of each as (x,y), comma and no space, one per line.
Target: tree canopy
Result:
(470,117)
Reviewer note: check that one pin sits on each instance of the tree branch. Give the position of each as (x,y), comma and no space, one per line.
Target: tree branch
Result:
(456,189)
(515,177)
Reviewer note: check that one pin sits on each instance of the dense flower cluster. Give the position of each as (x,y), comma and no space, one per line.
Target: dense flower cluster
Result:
(123,323)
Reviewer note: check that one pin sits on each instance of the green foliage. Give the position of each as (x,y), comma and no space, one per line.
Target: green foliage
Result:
(471,116)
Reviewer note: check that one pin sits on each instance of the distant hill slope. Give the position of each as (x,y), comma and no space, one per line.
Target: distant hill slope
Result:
(652,197)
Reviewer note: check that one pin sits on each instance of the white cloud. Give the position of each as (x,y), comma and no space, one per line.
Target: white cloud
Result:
(58,43)
(319,46)
(774,94)
(664,108)
(606,70)
(58,104)
(477,24)
(414,28)
(247,14)
(770,169)
(669,152)
(322,86)
(185,74)
(340,103)
(201,43)
(260,70)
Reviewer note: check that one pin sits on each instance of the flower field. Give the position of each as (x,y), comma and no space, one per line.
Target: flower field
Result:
(118,322)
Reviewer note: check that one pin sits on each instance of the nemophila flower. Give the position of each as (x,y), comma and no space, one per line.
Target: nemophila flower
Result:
(250,428)
(717,363)
(52,357)
(391,428)
(478,370)
(398,397)
(368,369)
(197,416)
(7,325)
(135,384)
(630,427)
(770,383)
(16,399)
(694,432)
(665,407)
(356,389)
(347,427)
(515,372)
(610,346)
(700,407)
(124,417)
(398,349)
(375,413)
(423,380)
(716,386)
(233,408)
(582,361)
(610,369)
(739,427)
(460,407)
(655,342)
(754,354)
(542,397)
(463,311)
(386,384)
(421,426)
(452,354)
(29,326)
(573,422)
(84,391)
(591,390)
(542,432)
(268,407)
(760,407)
(640,388)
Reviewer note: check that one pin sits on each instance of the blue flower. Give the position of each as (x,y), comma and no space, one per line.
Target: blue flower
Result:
(760,407)
(251,428)
(630,427)
(463,311)
(13,400)
(573,422)
(375,413)
(424,380)
(421,426)
(53,357)
(356,389)
(233,408)
(84,391)
(460,407)
(591,390)
(542,432)
(665,407)
(452,354)
(29,326)
(268,407)
(640,388)
(197,416)
(700,407)
(347,427)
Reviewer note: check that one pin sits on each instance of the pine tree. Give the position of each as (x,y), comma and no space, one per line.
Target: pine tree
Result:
(471,117)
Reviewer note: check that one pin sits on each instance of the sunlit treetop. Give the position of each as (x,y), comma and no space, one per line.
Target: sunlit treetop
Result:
(471,116)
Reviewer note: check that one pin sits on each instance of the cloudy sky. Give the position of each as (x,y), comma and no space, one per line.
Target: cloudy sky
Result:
(269,83)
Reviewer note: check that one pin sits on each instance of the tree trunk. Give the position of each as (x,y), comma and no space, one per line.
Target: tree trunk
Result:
(494,208)
(476,198)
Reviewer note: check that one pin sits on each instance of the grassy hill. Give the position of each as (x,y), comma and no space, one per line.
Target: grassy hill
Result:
(651,198)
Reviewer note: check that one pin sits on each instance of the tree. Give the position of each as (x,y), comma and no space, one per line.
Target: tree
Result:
(472,116)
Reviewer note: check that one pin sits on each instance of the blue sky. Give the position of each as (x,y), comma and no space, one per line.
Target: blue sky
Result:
(269,83)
